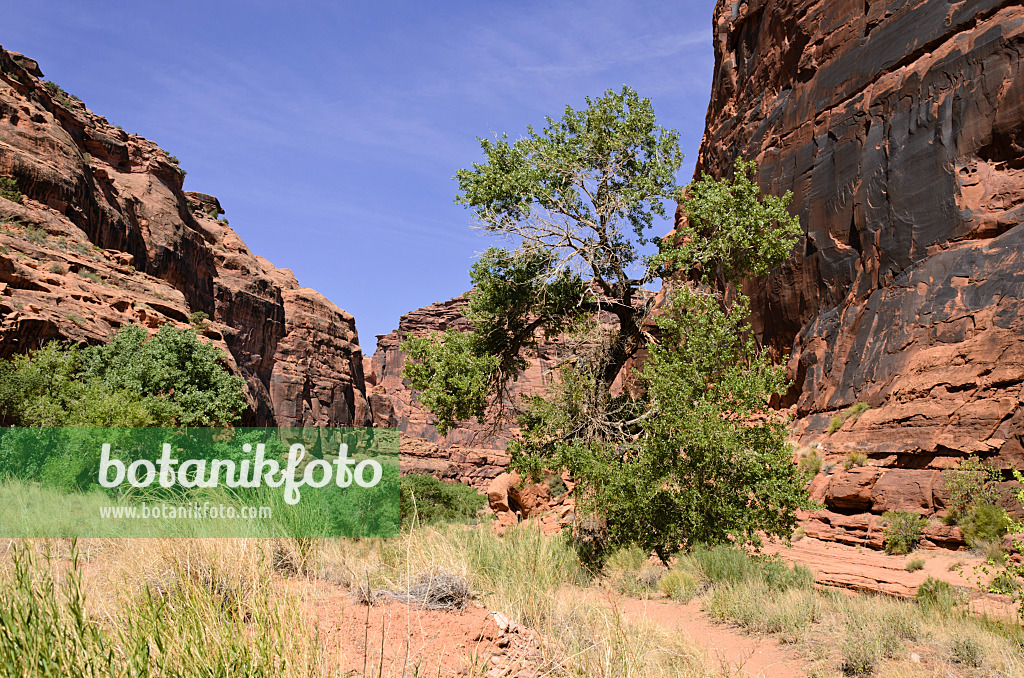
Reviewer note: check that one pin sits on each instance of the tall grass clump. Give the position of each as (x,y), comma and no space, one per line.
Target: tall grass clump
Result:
(179,609)
(629,572)
(517,572)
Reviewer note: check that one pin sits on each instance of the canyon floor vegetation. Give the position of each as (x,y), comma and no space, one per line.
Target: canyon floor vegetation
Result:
(458,599)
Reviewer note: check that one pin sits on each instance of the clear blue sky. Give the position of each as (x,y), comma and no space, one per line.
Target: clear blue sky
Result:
(330,131)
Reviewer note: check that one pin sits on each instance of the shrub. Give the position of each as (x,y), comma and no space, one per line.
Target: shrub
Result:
(626,559)
(135,380)
(556,486)
(9,190)
(91,276)
(985,523)
(970,483)
(435,501)
(57,268)
(966,651)
(851,413)
(915,564)
(760,609)
(855,459)
(36,236)
(857,409)
(835,424)
(680,585)
(938,596)
(1004,583)
(198,318)
(861,654)
(811,462)
(902,531)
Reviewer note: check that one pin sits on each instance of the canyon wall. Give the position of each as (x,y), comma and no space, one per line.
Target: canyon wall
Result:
(899,128)
(106,236)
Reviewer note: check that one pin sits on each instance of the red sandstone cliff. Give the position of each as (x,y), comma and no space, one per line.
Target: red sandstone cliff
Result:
(900,129)
(106,236)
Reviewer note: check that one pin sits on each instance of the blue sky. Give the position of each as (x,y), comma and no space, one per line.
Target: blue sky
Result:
(330,131)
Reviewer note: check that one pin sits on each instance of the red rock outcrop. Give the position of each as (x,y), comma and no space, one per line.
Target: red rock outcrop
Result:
(900,130)
(899,127)
(105,236)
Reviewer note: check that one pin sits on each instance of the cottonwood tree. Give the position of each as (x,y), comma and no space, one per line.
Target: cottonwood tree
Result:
(690,454)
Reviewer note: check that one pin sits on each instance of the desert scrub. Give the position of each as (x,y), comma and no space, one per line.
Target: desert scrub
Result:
(57,268)
(970,483)
(915,564)
(759,608)
(681,585)
(835,424)
(811,462)
(939,597)
(984,523)
(902,531)
(851,414)
(855,459)
(91,276)
(857,409)
(36,236)
(628,571)
(9,190)
(517,573)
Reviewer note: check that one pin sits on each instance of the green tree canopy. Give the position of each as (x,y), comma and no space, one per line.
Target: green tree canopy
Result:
(689,453)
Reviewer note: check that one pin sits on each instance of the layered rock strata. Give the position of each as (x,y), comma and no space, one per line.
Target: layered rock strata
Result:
(105,236)
(899,127)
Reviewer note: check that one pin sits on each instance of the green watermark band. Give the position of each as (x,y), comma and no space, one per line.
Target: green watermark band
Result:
(199,482)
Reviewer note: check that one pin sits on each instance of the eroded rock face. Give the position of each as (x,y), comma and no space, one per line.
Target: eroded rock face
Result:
(899,127)
(105,236)
(474,453)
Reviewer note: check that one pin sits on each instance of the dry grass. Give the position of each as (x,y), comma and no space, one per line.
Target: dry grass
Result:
(231,607)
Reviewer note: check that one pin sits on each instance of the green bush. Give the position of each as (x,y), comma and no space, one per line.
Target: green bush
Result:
(172,378)
(970,483)
(198,319)
(435,501)
(732,566)
(835,424)
(985,523)
(938,596)
(902,531)
(915,564)
(9,190)
(1004,583)
(680,585)
(858,409)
